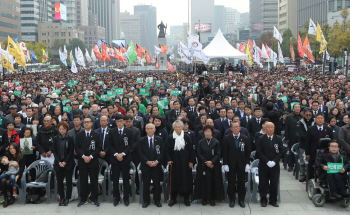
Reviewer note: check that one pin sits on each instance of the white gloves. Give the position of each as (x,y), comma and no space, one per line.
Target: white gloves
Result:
(247,168)
(271,164)
(226,168)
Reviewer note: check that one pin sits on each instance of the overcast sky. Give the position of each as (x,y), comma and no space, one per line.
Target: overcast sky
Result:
(175,12)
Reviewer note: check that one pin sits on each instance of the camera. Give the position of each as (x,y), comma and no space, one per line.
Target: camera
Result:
(200,80)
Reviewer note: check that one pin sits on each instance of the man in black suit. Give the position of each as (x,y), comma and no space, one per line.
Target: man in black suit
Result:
(236,153)
(315,108)
(247,117)
(151,151)
(171,117)
(135,123)
(48,105)
(104,134)
(313,135)
(191,106)
(88,146)
(254,125)
(243,131)
(322,108)
(197,119)
(111,122)
(218,123)
(227,123)
(212,112)
(120,146)
(269,149)
(240,111)
(28,119)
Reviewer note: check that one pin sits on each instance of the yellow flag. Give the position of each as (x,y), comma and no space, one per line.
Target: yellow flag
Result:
(247,51)
(20,59)
(6,63)
(320,38)
(44,56)
(13,50)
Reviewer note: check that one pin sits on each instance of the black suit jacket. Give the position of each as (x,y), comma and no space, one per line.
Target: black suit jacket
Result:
(170,118)
(68,152)
(25,121)
(146,154)
(4,141)
(219,126)
(313,137)
(84,146)
(51,109)
(111,123)
(104,147)
(225,124)
(190,112)
(214,115)
(120,144)
(244,122)
(238,113)
(253,127)
(266,151)
(234,156)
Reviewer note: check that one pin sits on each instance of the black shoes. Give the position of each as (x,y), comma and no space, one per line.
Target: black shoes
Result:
(66,202)
(158,204)
(61,202)
(212,203)
(204,202)
(116,202)
(337,196)
(81,204)
(187,202)
(5,204)
(126,202)
(232,204)
(275,204)
(241,203)
(172,202)
(145,204)
(263,204)
(96,203)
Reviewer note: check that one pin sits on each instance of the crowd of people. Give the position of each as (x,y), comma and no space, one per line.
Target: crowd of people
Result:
(155,119)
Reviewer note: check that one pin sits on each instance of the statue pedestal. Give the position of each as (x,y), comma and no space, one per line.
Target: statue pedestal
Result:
(162,58)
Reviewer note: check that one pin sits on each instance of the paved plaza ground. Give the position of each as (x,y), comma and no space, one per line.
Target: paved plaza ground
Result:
(293,196)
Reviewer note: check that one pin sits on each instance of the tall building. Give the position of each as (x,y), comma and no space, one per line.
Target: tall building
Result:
(270,14)
(108,12)
(10,24)
(203,12)
(185,30)
(255,19)
(220,18)
(148,15)
(82,8)
(286,16)
(244,18)
(130,26)
(92,34)
(71,13)
(32,14)
(316,10)
(233,18)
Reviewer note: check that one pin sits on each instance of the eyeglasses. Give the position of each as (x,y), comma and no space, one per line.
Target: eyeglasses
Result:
(86,122)
(333,146)
(308,115)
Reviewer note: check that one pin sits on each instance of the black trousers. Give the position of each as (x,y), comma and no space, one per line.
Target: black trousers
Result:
(84,172)
(268,182)
(116,170)
(155,174)
(61,174)
(290,159)
(336,183)
(185,195)
(232,175)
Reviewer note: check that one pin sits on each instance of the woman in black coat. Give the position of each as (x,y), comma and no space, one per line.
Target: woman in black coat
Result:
(63,151)
(181,158)
(209,184)
(160,128)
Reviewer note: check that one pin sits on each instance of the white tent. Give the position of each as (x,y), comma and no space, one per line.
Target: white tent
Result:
(219,47)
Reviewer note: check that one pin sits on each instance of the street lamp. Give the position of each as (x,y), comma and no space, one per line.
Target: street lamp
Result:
(345,51)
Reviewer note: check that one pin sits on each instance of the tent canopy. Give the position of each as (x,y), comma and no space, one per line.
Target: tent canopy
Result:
(219,47)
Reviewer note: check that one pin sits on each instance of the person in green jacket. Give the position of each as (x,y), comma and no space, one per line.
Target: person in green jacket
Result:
(154,102)
(142,108)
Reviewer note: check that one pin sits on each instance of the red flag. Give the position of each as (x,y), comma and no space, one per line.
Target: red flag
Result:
(307,49)
(157,65)
(300,47)
(123,49)
(163,48)
(148,58)
(292,54)
(242,47)
(268,50)
(105,55)
(251,45)
(139,51)
(97,52)
(118,55)
(170,66)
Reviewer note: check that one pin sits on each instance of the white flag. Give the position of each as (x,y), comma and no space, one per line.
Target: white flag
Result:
(274,58)
(25,51)
(93,57)
(277,35)
(87,56)
(79,57)
(264,52)
(280,55)
(204,57)
(139,61)
(328,57)
(183,51)
(171,56)
(65,53)
(74,67)
(312,28)
(237,46)
(157,50)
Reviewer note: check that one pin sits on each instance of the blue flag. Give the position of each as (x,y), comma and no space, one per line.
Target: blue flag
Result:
(32,55)
(16,39)
(63,59)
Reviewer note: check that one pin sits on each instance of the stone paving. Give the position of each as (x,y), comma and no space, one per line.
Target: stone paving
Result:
(293,196)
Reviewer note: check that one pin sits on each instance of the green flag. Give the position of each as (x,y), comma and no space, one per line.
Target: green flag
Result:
(131,53)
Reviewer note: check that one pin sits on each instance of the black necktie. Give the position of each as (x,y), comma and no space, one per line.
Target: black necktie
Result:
(28,121)
(87,134)
(259,121)
(103,143)
(120,132)
(177,113)
(320,129)
(151,145)
(270,138)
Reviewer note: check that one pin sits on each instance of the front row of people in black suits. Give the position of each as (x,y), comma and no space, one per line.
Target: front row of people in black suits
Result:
(179,152)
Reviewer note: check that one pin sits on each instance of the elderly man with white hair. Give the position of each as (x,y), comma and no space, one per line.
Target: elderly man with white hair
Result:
(181,158)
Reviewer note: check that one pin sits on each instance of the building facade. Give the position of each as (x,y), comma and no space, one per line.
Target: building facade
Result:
(269,14)
(255,19)
(203,12)
(286,16)
(49,32)
(82,8)
(233,18)
(92,34)
(244,18)
(130,25)
(10,23)
(220,18)
(71,13)
(148,16)
(108,16)
(315,9)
